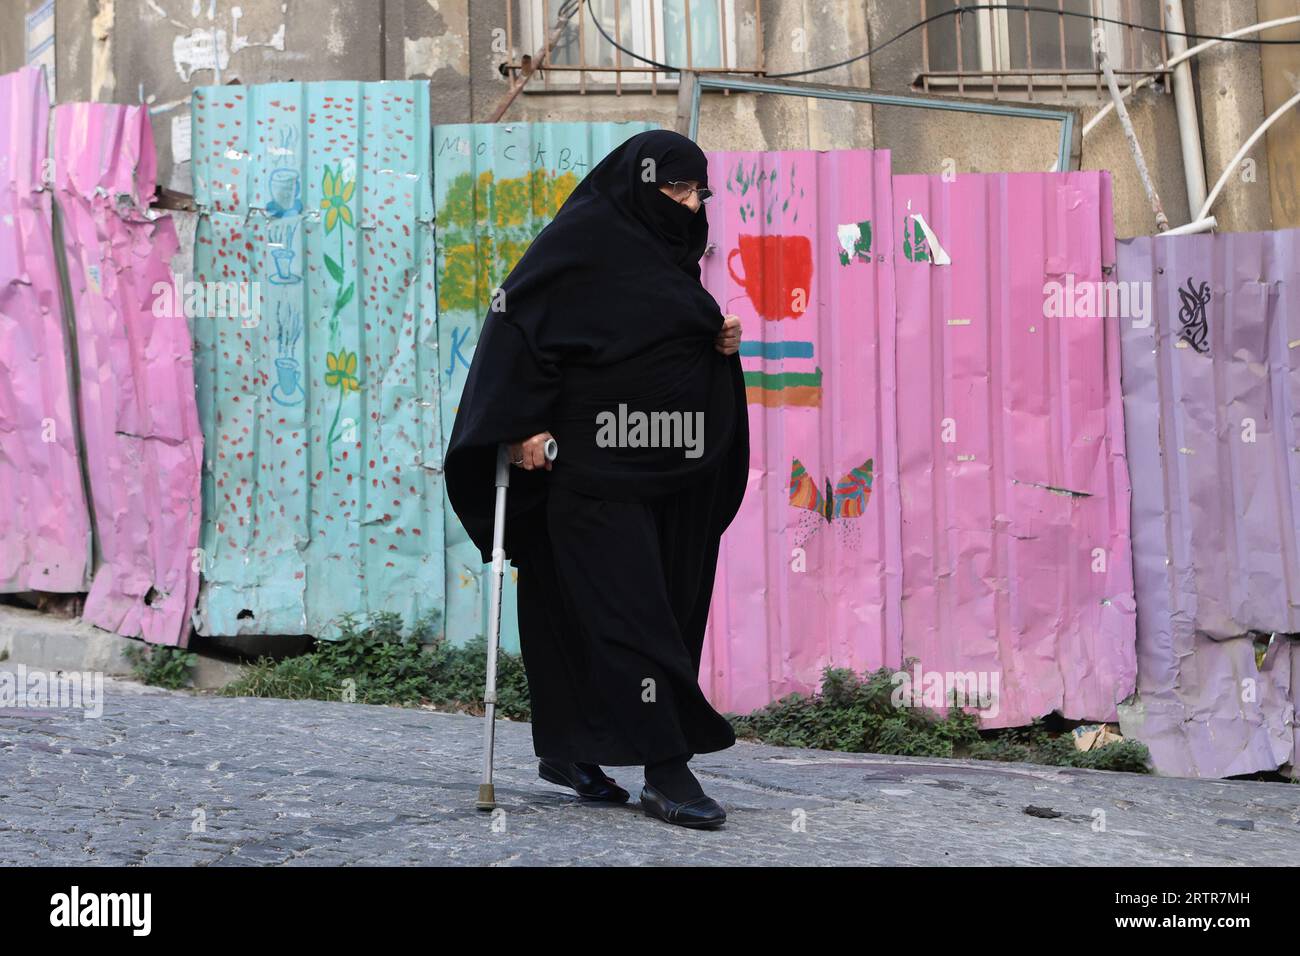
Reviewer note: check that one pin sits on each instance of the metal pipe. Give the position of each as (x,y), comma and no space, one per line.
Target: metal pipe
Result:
(854,95)
(562,18)
(1196,225)
(486,789)
(1191,52)
(1189,127)
(1103,60)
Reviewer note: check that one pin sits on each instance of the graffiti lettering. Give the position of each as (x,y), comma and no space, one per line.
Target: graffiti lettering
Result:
(458,337)
(1196,330)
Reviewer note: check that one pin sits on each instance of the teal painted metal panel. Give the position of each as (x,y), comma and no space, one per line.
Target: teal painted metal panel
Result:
(497,186)
(318,396)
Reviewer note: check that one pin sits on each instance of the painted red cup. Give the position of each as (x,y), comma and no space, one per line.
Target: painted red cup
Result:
(778,274)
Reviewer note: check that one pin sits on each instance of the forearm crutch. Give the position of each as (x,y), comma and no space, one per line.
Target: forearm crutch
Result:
(486,793)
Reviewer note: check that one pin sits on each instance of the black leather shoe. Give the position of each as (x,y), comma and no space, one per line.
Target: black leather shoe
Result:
(699,813)
(585,784)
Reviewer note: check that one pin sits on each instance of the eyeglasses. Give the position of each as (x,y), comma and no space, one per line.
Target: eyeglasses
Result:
(704,192)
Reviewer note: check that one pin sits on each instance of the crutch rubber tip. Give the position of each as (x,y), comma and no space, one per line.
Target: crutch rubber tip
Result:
(487,798)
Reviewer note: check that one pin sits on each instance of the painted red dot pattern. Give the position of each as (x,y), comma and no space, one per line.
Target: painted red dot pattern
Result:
(355,523)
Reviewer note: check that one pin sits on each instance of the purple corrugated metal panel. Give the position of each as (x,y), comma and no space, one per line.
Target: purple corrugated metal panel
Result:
(809,571)
(44,522)
(1210,398)
(1015,494)
(1282,663)
(138,416)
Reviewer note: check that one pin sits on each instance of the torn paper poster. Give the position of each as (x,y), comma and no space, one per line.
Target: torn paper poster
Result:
(936,252)
(38,42)
(855,241)
(203,49)
(181,139)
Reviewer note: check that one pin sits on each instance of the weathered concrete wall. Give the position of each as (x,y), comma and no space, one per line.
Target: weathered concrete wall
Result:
(159,50)
(797,34)
(1156,123)
(1232,106)
(431,39)
(1280,66)
(922,140)
(11,35)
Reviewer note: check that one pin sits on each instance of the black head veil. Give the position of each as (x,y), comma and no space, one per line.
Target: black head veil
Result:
(615,275)
(614,241)
(631,184)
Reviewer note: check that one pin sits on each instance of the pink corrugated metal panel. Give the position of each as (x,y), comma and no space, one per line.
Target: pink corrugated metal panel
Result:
(139,418)
(1211,402)
(44,522)
(1015,494)
(800,253)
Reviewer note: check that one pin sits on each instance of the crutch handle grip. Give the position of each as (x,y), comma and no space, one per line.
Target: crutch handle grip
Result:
(551,450)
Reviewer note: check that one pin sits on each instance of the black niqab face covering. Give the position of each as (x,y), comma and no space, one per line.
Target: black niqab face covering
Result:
(667,158)
(607,294)
(625,185)
(673,225)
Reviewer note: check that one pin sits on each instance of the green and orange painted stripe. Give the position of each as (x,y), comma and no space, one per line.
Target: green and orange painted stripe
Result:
(773,389)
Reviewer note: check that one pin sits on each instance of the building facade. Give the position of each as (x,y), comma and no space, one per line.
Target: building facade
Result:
(158,51)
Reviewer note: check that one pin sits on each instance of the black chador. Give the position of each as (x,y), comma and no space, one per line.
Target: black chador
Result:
(604,320)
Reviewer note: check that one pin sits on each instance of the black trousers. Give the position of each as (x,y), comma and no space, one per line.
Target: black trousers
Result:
(613,602)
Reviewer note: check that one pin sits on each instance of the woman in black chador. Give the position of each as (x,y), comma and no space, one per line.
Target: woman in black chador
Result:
(603,337)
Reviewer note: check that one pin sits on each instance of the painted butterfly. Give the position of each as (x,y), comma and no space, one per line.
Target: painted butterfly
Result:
(848,499)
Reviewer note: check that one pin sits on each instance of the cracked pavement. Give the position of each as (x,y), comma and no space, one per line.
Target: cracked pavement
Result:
(178,778)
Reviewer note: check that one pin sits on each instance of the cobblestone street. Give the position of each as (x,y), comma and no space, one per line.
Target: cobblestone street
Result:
(177,778)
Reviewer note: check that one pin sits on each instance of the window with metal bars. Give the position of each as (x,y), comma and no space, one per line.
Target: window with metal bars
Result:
(1020,53)
(723,36)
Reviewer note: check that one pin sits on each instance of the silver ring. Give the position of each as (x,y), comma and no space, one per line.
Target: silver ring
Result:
(515,461)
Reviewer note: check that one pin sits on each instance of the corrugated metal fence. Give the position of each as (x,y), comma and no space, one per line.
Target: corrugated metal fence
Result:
(139,424)
(45,521)
(800,250)
(1015,492)
(322,489)
(994,541)
(938,467)
(328,409)
(1212,405)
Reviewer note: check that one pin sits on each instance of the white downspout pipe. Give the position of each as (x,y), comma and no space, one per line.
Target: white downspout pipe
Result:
(1189,128)
(1196,225)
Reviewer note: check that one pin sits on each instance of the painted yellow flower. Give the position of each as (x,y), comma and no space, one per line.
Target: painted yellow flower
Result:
(337,196)
(342,371)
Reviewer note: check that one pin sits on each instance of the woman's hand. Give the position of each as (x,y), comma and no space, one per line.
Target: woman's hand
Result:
(728,340)
(531,452)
